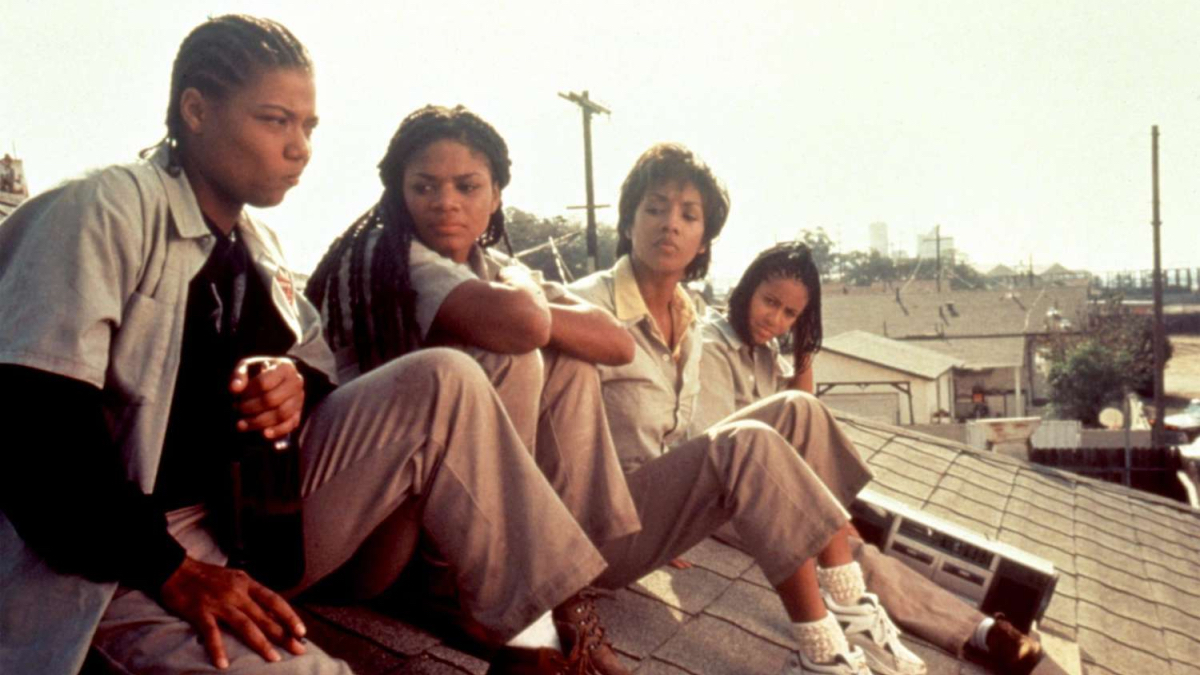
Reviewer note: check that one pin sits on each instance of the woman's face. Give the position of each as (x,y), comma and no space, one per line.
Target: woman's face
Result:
(449,191)
(251,146)
(774,308)
(668,228)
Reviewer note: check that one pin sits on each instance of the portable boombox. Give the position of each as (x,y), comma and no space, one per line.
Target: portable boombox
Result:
(990,575)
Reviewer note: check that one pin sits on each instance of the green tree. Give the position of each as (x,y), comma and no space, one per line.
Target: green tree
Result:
(527,231)
(864,269)
(822,250)
(1114,353)
(1086,378)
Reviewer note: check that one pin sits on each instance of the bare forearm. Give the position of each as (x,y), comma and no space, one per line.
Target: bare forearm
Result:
(803,379)
(500,317)
(590,334)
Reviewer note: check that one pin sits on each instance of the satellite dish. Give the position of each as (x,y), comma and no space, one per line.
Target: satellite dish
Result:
(1111,418)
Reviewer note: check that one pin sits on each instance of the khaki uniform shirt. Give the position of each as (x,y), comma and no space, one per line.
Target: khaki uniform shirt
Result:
(93,286)
(734,373)
(649,401)
(435,276)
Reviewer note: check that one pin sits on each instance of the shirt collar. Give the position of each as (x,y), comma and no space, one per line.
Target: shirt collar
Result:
(734,340)
(630,306)
(628,301)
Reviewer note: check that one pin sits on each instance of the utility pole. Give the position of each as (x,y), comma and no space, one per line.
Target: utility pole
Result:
(937,248)
(589,108)
(1159,404)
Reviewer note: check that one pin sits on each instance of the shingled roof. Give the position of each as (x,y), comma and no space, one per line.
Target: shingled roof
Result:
(906,357)
(978,353)
(953,313)
(1128,596)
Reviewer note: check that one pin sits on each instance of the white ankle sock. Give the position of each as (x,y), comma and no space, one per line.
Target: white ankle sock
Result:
(979,638)
(844,583)
(820,640)
(541,633)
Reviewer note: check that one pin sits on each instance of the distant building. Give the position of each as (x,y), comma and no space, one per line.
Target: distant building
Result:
(13,189)
(879,238)
(995,336)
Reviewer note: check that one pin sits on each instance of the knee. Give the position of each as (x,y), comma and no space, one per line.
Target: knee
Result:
(522,370)
(561,367)
(438,365)
(805,404)
(751,441)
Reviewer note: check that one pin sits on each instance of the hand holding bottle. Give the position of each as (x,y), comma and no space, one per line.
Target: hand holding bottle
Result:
(271,399)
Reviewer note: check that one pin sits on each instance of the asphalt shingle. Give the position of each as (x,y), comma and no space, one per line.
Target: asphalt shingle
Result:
(1128,594)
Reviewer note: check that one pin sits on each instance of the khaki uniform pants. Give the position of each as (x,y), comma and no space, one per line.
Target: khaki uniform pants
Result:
(556,405)
(424,444)
(915,603)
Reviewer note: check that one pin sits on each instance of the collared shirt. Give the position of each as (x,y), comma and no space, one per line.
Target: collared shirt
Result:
(649,401)
(734,373)
(434,276)
(93,283)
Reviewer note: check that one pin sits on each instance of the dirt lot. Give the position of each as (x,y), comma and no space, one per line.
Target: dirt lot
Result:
(1182,379)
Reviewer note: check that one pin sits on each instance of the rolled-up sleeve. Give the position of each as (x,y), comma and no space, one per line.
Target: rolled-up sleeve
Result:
(433,277)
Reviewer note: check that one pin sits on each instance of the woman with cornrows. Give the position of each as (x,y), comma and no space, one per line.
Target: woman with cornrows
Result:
(135,300)
(420,269)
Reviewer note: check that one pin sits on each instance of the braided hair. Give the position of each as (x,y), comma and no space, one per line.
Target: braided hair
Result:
(788,260)
(671,163)
(377,299)
(222,55)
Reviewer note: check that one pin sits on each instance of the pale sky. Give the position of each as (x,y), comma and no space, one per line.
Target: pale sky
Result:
(1021,127)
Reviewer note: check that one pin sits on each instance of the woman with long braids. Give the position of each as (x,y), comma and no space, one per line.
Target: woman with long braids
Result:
(419,269)
(780,294)
(135,300)
(671,209)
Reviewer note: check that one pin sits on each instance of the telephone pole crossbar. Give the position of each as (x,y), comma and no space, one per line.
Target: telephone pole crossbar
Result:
(589,108)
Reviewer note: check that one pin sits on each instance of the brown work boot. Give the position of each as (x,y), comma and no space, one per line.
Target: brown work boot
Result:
(1010,650)
(582,636)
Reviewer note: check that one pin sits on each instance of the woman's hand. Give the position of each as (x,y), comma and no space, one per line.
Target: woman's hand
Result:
(209,596)
(271,401)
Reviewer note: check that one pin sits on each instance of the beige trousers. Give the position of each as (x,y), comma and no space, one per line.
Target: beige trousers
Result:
(915,603)
(421,444)
(742,474)
(555,403)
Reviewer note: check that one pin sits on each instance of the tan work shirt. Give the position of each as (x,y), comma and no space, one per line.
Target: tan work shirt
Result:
(93,286)
(734,373)
(434,276)
(649,401)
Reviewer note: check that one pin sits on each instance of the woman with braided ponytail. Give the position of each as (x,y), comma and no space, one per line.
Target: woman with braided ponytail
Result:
(419,269)
(136,299)
(780,294)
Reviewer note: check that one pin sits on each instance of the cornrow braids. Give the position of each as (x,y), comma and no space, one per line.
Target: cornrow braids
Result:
(667,163)
(787,260)
(374,309)
(222,55)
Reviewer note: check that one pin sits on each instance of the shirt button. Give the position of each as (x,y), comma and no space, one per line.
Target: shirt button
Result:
(666,357)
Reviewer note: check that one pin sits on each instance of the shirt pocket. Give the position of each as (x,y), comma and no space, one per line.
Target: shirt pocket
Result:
(141,347)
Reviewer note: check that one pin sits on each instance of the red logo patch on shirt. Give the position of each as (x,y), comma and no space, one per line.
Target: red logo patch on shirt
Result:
(285,282)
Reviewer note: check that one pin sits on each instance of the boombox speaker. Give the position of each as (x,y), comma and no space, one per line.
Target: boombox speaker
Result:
(990,575)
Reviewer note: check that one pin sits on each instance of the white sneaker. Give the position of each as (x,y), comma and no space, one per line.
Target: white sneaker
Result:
(868,626)
(848,663)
